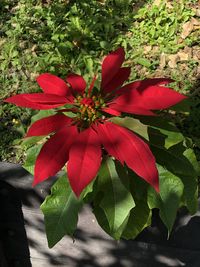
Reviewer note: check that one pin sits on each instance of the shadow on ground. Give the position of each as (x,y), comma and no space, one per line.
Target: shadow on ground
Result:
(13,239)
(92,247)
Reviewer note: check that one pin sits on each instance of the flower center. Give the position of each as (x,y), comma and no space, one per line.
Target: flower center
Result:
(87,101)
(89,108)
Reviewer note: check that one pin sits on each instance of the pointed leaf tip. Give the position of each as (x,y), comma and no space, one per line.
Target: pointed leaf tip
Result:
(77,82)
(117,81)
(34,183)
(51,84)
(116,201)
(149,94)
(60,211)
(37,101)
(111,65)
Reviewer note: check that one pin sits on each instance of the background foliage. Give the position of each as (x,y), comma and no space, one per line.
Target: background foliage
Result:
(62,36)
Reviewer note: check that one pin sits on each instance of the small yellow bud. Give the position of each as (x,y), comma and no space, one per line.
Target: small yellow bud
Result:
(14,121)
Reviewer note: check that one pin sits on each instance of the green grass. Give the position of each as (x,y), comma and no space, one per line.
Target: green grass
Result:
(72,36)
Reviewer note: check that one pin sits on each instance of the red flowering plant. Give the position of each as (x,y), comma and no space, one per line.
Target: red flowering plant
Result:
(120,155)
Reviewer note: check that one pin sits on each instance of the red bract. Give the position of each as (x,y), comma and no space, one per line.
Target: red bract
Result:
(78,141)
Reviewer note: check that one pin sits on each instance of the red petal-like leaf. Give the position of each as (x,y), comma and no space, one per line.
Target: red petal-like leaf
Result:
(54,154)
(45,98)
(144,83)
(84,160)
(131,109)
(148,95)
(111,65)
(117,81)
(24,100)
(111,111)
(77,82)
(52,84)
(48,125)
(128,148)
(92,85)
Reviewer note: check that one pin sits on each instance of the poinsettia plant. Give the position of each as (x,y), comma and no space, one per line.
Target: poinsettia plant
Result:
(118,153)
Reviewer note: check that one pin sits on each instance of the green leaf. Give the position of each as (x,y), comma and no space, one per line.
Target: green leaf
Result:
(30,141)
(140,218)
(60,211)
(158,20)
(32,154)
(144,62)
(140,215)
(89,64)
(159,122)
(172,138)
(113,201)
(176,163)
(86,194)
(101,218)
(171,191)
(132,124)
(164,137)
(184,106)
(163,132)
(104,44)
(190,155)
(190,194)
(181,162)
(63,49)
(41,114)
(70,114)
